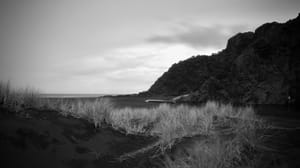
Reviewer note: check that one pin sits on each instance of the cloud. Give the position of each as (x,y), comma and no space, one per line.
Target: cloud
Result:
(135,68)
(198,36)
(128,69)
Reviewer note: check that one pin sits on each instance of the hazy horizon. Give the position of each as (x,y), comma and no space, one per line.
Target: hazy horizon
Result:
(115,46)
(72,95)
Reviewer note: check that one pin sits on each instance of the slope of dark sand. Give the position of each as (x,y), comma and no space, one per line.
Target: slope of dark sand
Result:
(281,150)
(47,139)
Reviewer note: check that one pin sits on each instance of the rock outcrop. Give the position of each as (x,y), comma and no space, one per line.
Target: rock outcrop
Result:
(260,67)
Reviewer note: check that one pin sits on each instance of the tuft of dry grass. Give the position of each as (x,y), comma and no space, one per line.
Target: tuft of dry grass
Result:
(208,153)
(181,121)
(172,122)
(133,120)
(18,99)
(233,134)
(234,140)
(217,152)
(96,111)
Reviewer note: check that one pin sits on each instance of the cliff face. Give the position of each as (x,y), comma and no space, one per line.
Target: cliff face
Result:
(260,67)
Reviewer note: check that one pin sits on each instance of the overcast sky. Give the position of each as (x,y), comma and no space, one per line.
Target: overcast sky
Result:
(118,46)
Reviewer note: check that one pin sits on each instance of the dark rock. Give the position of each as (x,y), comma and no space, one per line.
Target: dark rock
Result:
(256,68)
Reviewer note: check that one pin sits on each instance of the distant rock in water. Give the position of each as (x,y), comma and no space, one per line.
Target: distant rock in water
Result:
(260,67)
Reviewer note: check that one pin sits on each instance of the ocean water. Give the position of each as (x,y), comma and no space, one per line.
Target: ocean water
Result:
(71,95)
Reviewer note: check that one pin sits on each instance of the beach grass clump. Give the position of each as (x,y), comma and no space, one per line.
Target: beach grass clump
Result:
(231,135)
(234,140)
(170,122)
(18,99)
(133,120)
(208,153)
(96,111)
(219,151)
(176,122)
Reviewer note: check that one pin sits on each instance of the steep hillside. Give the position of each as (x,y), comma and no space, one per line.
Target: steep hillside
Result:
(260,67)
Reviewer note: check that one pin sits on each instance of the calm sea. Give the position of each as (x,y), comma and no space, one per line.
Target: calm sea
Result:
(71,95)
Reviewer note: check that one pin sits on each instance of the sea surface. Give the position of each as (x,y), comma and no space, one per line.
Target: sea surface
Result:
(72,95)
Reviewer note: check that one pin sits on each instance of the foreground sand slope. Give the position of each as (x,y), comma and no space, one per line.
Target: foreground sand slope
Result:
(47,139)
